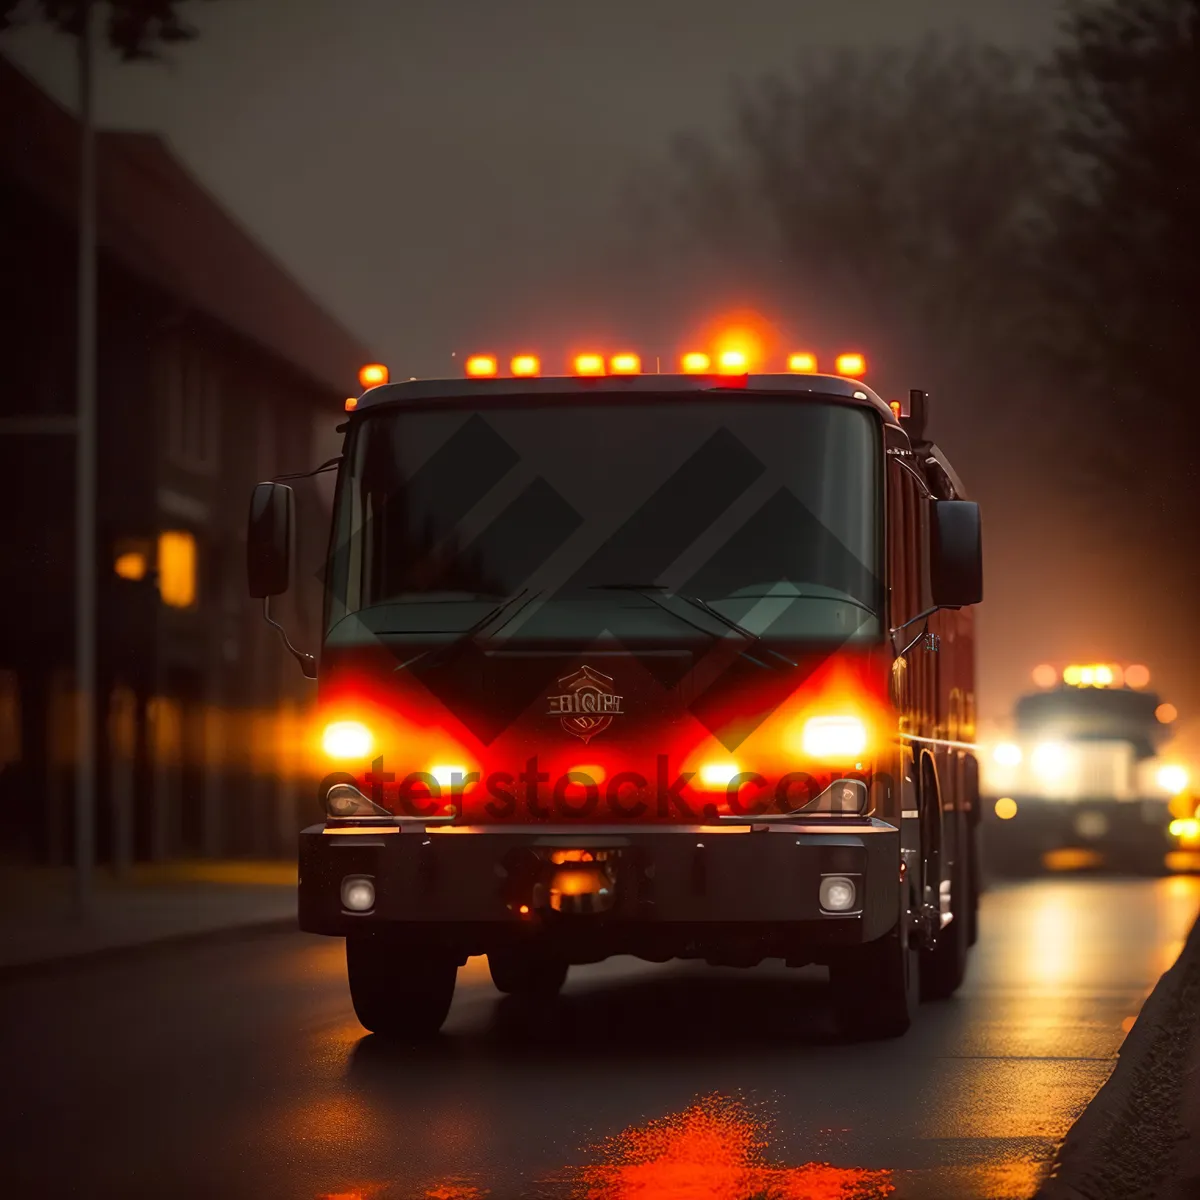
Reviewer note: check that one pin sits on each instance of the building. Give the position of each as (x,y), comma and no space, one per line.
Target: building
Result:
(215,370)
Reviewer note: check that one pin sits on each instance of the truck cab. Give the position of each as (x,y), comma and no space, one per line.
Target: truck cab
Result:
(670,665)
(1083,779)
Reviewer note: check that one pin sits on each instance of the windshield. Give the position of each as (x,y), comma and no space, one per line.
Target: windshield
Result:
(1092,714)
(767,508)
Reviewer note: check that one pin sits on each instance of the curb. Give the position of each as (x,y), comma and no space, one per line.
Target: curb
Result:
(132,951)
(1133,1140)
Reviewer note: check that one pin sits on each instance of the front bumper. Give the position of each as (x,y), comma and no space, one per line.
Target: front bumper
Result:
(725,893)
(1116,827)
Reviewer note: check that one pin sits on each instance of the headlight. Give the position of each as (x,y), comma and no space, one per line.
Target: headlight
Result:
(718,774)
(450,777)
(1007,754)
(1049,760)
(1172,779)
(346,739)
(834,737)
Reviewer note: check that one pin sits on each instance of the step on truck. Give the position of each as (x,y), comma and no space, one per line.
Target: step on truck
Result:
(666,665)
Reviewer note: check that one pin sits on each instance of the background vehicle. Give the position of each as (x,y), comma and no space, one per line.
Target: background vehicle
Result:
(664,665)
(1083,773)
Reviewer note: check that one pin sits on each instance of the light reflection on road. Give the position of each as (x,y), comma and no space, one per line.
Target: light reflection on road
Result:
(717,1147)
(598,1106)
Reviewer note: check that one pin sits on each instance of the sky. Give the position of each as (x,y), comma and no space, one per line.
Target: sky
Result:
(445,175)
(437,171)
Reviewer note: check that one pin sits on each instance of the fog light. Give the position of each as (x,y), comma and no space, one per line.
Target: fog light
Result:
(358,893)
(837,894)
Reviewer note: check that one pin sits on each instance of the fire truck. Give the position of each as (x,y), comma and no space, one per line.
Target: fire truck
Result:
(673,665)
(1083,778)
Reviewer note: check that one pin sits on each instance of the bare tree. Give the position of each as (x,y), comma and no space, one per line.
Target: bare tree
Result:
(897,192)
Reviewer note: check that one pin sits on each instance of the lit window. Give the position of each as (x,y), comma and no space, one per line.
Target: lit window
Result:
(130,564)
(177,568)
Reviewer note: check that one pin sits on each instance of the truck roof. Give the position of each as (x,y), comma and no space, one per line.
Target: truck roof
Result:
(828,386)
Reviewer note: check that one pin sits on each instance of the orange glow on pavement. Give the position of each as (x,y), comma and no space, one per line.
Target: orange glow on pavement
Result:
(715,1148)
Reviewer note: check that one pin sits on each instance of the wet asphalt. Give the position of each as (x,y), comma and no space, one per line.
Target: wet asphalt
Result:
(238,1070)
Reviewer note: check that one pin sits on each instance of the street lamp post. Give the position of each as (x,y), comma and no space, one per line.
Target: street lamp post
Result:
(85,479)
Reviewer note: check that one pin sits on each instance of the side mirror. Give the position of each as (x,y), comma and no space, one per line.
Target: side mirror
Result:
(956,554)
(269,539)
(916,416)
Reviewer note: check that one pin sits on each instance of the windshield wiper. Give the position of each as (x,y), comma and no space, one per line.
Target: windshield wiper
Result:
(749,634)
(460,639)
(648,590)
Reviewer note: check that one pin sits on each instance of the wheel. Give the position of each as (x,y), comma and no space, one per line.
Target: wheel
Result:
(972,825)
(943,967)
(875,987)
(524,971)
(398,992)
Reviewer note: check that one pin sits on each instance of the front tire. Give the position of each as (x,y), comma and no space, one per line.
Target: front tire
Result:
(945,966)
(525,971)
(397,992)
(875,987)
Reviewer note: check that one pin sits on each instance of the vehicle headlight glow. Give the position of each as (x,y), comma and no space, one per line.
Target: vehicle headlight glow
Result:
(834,737)
(346,739)
(1007,754)
(1050,760)
(1172,779)
(449,776)
(716,774)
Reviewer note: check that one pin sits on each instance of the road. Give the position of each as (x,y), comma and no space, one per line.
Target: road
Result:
(238,1070)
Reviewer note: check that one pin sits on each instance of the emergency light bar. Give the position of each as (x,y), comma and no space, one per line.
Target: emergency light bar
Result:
(728,361)
(1093,675)
(694,362)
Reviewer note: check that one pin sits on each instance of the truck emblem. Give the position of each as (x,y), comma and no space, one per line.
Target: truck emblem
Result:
(585,703)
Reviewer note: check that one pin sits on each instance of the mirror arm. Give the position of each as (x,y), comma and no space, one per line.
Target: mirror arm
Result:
(330,465)
(308,664)
(921,616)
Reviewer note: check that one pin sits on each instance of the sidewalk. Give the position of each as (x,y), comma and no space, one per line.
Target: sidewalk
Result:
(1139,1138)
(156,903)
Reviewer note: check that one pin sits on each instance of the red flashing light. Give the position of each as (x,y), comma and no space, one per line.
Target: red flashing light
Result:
(372,375)
(480,366)
(853,366)
(526,365)
(803,363)
(695,363)
(589,364)
(625,364)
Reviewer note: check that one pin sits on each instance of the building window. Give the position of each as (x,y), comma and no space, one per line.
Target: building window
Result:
(131,559)
(193,407)
(177,568)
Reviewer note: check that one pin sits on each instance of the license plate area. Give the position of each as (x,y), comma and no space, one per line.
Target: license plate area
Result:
(568,880)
